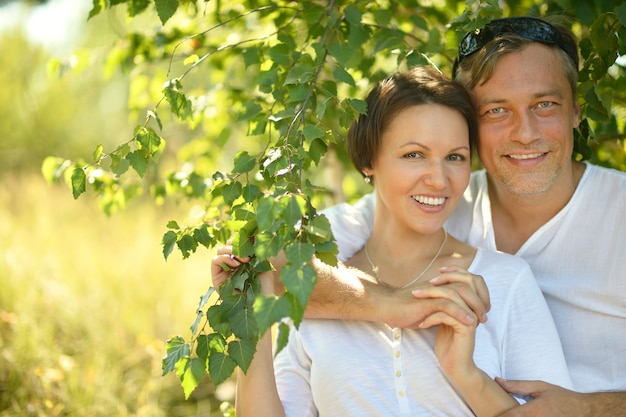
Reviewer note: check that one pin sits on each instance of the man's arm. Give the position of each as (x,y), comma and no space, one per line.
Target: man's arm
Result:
(350,294)
(553,401)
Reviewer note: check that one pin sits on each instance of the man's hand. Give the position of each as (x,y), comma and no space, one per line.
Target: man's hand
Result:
(553,401)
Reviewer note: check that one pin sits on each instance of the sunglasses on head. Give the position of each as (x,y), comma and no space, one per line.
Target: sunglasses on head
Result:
(527,27)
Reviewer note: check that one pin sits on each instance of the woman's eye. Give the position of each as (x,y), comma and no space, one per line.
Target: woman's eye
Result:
(413,155)
(456,157)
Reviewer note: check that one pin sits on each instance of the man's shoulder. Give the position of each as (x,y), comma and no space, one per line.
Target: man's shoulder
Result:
(351,224)
(361,209)
(601,179)
(598,171)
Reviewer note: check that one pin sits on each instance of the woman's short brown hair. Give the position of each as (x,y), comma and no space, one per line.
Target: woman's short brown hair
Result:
(419,85)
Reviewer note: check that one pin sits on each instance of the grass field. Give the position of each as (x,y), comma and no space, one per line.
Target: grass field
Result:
(86,304)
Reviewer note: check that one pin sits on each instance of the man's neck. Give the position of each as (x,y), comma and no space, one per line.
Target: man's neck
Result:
(517,217)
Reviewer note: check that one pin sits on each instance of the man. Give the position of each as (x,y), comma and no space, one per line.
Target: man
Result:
(566,218)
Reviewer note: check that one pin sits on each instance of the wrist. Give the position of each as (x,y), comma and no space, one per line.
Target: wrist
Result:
(467,379)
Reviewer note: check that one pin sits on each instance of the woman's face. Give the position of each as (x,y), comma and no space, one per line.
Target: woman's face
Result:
(422,167)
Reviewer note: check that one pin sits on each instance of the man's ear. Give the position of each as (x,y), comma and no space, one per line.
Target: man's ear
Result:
(576,114)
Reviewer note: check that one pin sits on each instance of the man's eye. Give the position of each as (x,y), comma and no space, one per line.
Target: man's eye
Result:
(545,104)
(497,110)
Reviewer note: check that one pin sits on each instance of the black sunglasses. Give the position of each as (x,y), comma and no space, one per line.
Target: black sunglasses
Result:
(527,27)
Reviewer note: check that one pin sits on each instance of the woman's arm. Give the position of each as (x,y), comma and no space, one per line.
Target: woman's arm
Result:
(256,390)
(256,394)
(454,348)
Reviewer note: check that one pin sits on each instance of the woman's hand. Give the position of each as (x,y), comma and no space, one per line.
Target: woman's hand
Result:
(225,262)
(454,348)
(454,343)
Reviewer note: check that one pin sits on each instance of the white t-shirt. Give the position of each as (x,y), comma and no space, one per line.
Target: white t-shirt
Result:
(578,259)
(358,368)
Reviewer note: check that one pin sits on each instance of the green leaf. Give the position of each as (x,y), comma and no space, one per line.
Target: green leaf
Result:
(251,56)
(280,54)
(52,168)
(283,337)
(216,317)
(269,310)
(187,244)
(203,300)
(119,164)
(196,322)
(139,162)
(299,280)
(240,277)
(353,14)
(201,235)
(179,103)
(136,7)
(168,242)
(206,343)
(98,6)
(292,211)
(300,74)
(312,132)
(195,370)
(341,52)
(243,163)
(344,76)
(149,141)
(250,192)
(231,191)
(317,149)
(242,351)
(297,309)
(97,153)
(177,349)
(242,243)
(221,367)
(79,182)
(318,230)
(243,324)
(357,105)
(250,111)
(165,9)
(267,244)
(299,254)
(266,213)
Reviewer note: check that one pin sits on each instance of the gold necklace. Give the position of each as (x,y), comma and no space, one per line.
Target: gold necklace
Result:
(375,268)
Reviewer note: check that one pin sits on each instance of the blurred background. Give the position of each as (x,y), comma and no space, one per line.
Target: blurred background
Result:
(86,301)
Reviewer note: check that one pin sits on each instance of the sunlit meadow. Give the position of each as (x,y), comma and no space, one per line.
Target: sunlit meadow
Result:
(86,304)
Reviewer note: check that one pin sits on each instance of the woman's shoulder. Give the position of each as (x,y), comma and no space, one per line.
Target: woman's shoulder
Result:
(500,266)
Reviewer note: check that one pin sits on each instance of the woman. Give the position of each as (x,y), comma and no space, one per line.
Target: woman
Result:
(415,144)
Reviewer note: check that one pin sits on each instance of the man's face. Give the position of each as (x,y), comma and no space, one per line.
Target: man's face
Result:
(526,119)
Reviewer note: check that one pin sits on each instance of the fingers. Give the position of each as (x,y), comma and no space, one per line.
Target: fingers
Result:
(471,288)
(459,310)
(222,263)
(524,388)
(457,295)
(443,318)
